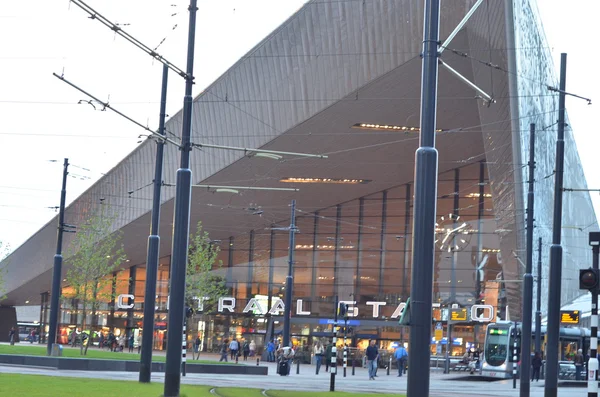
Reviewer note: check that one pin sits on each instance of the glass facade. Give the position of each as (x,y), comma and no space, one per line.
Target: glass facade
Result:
(358,251)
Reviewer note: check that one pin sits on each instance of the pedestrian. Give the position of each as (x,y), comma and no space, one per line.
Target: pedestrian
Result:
(372,355)
(11,336)
(111,341)
(271,351)
(328,353)
(252,348)
(234,347)
(536,364)
(101,340)
(121,343)
(578,364)
(224,351)
(319,351)
(246,350)
(130,342)
(197,344)
(139,342)
(285,356)
(401,357)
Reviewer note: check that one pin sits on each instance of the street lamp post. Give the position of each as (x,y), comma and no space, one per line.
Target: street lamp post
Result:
(181,227)
(426,168)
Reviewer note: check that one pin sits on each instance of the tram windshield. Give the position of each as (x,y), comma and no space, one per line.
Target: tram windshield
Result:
(496,346)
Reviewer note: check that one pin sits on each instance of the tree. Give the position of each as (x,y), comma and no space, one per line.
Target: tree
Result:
(204,284)
(94,254)
(4,251)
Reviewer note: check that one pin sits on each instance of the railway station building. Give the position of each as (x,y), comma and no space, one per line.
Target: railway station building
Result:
(344,79)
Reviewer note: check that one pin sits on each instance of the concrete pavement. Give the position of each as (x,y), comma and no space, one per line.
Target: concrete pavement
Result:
(440,385)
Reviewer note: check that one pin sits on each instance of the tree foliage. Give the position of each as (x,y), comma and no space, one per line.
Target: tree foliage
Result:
(94,253)
(203,279)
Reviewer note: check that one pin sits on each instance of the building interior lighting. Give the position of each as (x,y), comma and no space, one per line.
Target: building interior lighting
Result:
(266,156)
(324,180)
(222,190)
(323,247)
(389,127)
(491,250)
(476,195)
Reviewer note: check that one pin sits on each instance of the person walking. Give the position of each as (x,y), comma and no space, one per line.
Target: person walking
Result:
(252,348)
(246,350)
(578,364)
(271,352)
(318,351)
(401,357)
(197,344)
(139,342)
(101,340)
(536,364)
(224,351)
(372,355)
(234,347)
(130,342)
(11,336)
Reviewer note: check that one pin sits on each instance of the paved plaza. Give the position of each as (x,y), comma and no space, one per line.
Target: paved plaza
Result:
(440,384)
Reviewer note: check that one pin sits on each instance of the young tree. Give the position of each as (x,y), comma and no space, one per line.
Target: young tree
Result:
(204,284)
(94,254)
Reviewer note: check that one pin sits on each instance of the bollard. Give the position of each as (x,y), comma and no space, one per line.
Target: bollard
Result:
(298,367)
(389,365)
(353,366)
(257,361)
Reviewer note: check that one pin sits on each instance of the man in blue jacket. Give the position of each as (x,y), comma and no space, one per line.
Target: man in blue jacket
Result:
(401,356)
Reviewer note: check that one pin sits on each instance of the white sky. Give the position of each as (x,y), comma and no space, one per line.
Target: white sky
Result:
(41,120)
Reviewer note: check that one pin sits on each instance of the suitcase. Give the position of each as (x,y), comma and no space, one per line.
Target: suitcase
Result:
(283,368)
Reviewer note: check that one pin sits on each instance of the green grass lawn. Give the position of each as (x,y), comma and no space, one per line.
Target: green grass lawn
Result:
(36,350)
(48,386)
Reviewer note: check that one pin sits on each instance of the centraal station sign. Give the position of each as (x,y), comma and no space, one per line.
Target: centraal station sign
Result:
(259,306)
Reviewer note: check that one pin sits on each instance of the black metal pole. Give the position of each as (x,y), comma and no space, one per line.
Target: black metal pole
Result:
(345,347)
(554,287)
(426,164)
(528,277)
(289,280)
(515,356)
(333,365)
(592,365)
(181,228)
(538,309)
(58,259)
(153,243)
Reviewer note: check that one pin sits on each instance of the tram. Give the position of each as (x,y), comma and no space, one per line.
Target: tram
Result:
(499,343)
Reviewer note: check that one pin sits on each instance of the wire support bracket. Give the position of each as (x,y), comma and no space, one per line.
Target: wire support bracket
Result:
(106,105)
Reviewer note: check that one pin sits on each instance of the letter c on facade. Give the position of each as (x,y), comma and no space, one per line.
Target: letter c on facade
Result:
(121,303)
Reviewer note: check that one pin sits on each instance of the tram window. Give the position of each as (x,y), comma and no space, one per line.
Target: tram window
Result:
(496,349)
(568,350)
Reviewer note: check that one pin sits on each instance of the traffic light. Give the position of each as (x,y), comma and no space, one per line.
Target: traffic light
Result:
(343,311)
(189,312)
(589,279)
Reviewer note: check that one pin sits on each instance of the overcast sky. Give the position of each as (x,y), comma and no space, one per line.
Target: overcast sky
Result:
(41,120)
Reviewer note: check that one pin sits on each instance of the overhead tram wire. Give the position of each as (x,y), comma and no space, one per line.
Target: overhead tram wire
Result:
(118,30)
(497,67)
(107,106)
